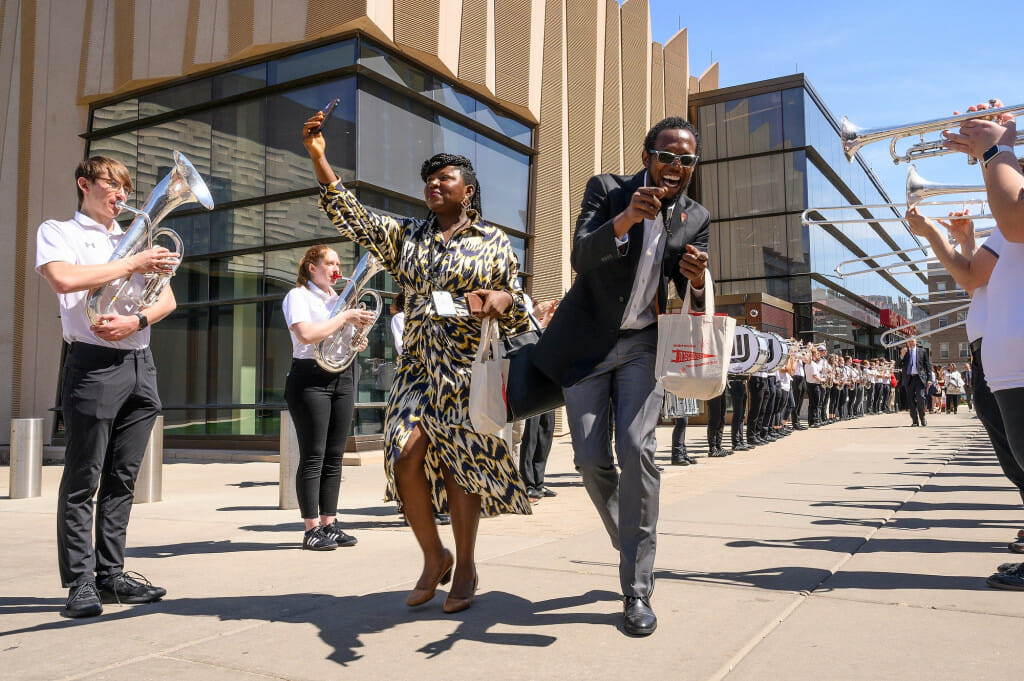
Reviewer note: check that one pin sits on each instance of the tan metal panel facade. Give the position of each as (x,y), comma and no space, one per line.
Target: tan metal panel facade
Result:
(611,123)
(677,74)
(636,80)
(583,71)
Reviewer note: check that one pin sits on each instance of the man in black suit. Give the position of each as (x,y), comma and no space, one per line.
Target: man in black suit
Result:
(633,235)
(917,377)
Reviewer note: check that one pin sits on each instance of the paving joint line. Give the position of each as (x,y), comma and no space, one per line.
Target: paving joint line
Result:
(804,595)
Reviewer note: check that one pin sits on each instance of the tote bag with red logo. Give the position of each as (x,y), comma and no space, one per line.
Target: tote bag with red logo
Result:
(694,349)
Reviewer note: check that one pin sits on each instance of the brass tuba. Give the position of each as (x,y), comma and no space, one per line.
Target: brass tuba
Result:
(333,353)
(182,185)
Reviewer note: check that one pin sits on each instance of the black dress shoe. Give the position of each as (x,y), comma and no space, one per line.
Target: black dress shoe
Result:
(129,587)
(924,422)
(680,460)
(547,491)
(83,601)
(637,618)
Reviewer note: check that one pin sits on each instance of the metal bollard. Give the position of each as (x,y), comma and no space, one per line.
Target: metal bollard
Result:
(287,497)
(26,457)
(149,484)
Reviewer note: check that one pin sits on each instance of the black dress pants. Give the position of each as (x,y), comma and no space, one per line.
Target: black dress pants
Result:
(798,390)
(813,403)
(538,432)
(916,397)
(991,417)
(738,395)
(716,419)
(759,394)
(321,406)
(109,401)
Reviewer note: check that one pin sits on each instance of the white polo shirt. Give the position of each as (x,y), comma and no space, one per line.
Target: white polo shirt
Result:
(308,303)
(978,311)
(83,241)
(1004,328)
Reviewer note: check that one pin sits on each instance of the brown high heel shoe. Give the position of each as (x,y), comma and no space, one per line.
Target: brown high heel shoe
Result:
(421,596)
(454,604)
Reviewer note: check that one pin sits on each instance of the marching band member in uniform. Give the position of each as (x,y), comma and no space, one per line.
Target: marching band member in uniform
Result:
(321,403)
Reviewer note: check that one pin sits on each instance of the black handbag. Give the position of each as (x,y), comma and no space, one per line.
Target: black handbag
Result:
(528,391)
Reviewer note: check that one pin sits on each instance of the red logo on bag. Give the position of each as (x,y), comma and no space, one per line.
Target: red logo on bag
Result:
(687,356)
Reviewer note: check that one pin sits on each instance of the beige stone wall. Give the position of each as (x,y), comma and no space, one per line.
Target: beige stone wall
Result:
(585,71)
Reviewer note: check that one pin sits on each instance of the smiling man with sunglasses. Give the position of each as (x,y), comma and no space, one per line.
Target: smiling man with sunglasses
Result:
(633,235)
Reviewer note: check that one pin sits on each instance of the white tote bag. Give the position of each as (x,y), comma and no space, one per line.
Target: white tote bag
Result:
(487,388)
(694,350)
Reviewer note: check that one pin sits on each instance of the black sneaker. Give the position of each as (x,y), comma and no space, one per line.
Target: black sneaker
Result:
(340,537)
(83,601)
(129,587)
(1013,580)
(318,540)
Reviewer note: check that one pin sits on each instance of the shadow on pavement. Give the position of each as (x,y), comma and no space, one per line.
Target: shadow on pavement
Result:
(343,620)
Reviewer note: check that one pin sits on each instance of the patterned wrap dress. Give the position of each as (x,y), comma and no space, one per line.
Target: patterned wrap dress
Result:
(431,387)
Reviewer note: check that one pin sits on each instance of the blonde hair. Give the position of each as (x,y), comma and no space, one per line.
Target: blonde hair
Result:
(92,168)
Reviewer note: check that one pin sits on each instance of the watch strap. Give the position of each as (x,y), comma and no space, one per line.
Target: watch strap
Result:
(143,320)
(994,151)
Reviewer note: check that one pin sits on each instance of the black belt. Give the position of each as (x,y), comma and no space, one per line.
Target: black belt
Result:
(976,347)
(102,353)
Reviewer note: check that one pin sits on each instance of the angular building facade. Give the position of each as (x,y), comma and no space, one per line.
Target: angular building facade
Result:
(771,151)
(540,94)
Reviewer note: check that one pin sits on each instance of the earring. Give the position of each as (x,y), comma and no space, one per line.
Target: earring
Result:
(466,201)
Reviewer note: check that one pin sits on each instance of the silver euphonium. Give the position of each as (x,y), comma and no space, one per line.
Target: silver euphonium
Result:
(333,354)
(182,185)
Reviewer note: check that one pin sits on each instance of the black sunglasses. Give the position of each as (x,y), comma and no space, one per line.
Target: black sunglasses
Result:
(668,158)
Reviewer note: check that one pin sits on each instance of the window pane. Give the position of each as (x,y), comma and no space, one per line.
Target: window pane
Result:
(238,166)
(233,376)
(115,114)
(177,97)
(394,68)
(297,219)
(753,124)
(124,148)
(327,58)
(236,277)
(180,352)
(288,166)
(189,135)
(191,282)
(239,81)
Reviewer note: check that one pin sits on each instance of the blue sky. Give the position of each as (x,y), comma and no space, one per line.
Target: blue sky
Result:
(879,63)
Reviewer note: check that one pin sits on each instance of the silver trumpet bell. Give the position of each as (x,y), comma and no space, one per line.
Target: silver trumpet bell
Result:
(181,185)
(334,354)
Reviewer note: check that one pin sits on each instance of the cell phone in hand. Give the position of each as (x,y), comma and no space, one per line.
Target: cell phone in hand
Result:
(327,115)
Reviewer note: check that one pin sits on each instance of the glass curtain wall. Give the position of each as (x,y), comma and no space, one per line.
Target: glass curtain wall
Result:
(224,354)
(765,159)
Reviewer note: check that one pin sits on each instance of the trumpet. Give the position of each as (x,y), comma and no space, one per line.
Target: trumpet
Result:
(980,234)
(918,190)
(333,353)
(854,138)
(895,336)
(181,185)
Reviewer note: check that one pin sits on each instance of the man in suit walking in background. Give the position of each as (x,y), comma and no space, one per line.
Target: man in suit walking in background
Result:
(917,377)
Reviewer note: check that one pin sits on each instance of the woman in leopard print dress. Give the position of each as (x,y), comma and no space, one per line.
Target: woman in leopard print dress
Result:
(434,460)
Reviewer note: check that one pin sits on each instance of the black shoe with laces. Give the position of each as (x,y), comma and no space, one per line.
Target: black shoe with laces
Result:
(83,601)
(129,587)
(1012,580)
(547,491)
(638,618)
(318,540)
(340,537)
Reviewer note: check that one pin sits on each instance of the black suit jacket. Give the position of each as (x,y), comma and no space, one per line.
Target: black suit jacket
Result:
(585,326)
(924,366)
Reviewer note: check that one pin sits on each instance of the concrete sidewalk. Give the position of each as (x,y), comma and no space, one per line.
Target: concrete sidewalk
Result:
(854,551)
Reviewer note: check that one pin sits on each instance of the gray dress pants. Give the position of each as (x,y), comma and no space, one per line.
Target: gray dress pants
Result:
(627,499)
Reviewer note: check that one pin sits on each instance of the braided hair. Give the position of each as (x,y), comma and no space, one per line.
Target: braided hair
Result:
(465,166)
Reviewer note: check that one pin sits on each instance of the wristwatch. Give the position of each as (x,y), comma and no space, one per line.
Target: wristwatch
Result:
(143,321)
(994,151)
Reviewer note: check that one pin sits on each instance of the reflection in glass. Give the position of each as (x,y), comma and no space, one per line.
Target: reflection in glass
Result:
(311,63)
(236,277)
(238,164)
(186,94)
(115,114)
(288,166)
(240,80)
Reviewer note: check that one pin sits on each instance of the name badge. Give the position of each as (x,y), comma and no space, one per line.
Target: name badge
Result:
(444,304)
